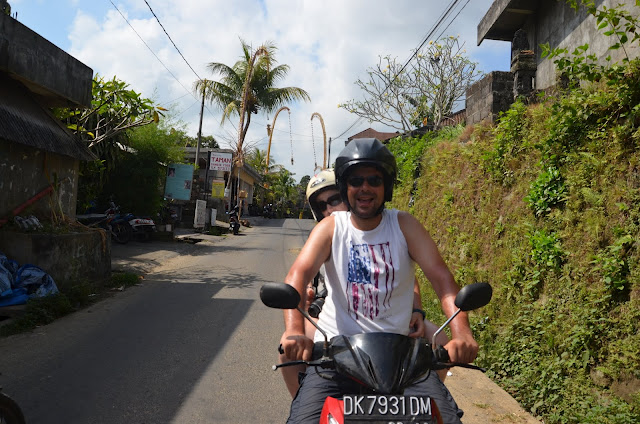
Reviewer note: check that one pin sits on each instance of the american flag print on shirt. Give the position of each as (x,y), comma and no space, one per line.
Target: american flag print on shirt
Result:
(370,279)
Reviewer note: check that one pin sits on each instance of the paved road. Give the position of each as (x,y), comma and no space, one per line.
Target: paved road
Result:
(191,344)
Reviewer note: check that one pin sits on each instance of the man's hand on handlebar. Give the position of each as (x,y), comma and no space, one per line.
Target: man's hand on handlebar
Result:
(296,346)
(462,349)
(416,325)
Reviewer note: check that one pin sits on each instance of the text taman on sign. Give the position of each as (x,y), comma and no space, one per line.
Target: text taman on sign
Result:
(220,161)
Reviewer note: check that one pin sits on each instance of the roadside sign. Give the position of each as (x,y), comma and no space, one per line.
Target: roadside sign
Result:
(178,184)
(220,161)
(199,220)
(217,189)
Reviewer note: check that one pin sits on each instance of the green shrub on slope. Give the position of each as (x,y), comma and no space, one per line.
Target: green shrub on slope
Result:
(552,220)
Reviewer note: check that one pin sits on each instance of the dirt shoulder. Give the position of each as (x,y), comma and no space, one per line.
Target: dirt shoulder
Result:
(483,401)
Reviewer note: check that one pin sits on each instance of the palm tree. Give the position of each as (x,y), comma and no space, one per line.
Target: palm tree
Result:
(257,159)
(284,189)
(247,87)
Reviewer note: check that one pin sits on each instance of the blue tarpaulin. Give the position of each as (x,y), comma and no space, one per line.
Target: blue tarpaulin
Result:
(19,283)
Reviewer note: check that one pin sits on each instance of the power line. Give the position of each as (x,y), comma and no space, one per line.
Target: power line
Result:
(168,36)
(424,40)
(454,18)
(192,105)
(189,92)
(177,49)
(360,118)
(175,100)
(152,52)
(443,17)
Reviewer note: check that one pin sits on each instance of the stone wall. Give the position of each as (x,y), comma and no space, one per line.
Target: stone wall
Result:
(486,98)
(556,23)
(68,258)
(23,173)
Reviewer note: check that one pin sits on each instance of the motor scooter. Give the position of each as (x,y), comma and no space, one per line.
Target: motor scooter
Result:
(115,223)
(382,364)
(234,221)
(142,228)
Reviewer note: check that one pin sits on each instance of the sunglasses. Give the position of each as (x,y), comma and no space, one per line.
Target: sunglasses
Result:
(334,200)
(372,180)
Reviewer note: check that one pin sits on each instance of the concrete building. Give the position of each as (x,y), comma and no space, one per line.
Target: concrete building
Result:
(205,179)
(39,157)
(528,24)
(35,148)
(556,23)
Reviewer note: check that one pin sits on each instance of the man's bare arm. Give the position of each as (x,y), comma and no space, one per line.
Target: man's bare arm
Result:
(314,253)
(423,250)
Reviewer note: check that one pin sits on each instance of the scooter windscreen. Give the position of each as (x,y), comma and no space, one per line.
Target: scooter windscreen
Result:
(383,362)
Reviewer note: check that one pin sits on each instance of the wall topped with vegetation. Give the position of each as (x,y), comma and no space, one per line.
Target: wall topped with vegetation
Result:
(545,205)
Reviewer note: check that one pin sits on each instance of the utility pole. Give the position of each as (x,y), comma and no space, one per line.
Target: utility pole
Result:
(204,89)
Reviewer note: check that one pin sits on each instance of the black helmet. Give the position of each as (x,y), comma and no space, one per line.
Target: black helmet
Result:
(366,151)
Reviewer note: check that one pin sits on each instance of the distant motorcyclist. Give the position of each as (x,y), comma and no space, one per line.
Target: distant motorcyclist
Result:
(234,219)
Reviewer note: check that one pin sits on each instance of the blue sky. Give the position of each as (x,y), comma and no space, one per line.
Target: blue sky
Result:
(328,46)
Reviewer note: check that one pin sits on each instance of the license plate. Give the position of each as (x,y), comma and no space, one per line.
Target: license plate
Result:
(387,408)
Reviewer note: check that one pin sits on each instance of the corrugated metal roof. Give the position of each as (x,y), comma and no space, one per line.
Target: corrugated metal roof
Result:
(24,121)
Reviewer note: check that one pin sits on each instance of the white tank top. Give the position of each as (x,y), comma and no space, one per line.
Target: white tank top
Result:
(369,279)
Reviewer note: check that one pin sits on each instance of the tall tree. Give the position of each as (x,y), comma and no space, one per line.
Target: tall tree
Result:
(248,87)
(257,158)
(284,186)
(405,97)
(114,109)
(206,141)
(106,127)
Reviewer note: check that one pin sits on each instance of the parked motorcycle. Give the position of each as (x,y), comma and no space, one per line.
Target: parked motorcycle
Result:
(118,224)
(267,211)
(382,364)
(112,221)
(133,226)
(142,228)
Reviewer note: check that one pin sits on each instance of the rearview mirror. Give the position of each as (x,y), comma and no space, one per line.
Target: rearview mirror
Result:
(474,296)
(279,296)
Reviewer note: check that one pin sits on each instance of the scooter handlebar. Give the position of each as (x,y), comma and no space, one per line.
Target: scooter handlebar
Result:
(441,359)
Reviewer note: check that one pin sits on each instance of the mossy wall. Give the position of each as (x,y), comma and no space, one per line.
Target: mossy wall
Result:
(545,206)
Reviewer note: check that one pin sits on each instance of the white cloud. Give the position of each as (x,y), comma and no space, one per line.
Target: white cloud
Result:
(328,46)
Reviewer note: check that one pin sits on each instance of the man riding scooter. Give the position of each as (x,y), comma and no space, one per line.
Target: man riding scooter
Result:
(369,253)
(324,199)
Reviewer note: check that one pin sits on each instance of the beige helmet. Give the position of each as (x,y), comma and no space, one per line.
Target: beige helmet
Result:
(322,180)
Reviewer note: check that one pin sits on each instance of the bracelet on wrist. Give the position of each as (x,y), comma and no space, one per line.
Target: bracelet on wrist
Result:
(421,312)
